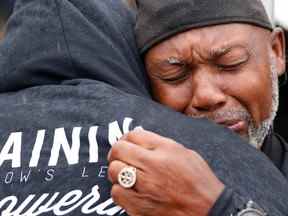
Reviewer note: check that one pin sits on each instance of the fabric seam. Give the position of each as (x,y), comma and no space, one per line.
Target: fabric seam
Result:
(64,34)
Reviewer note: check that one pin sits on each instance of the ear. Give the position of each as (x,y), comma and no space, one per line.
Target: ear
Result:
(278,49)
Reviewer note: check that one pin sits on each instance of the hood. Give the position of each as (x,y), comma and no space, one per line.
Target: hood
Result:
(79,41)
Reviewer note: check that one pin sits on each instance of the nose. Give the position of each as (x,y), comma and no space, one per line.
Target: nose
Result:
(207,95)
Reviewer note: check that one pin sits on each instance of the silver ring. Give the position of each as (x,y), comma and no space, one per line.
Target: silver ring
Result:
(127,177)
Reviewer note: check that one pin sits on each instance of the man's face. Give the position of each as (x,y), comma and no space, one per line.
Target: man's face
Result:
(223,73)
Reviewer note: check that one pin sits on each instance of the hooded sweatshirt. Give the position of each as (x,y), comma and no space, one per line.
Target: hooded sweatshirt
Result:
(71,84)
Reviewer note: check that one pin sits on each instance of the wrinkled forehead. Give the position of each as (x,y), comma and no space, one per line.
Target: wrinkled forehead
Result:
(211,39)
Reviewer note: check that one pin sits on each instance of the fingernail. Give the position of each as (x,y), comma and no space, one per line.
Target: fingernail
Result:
(109,155)
(109,177)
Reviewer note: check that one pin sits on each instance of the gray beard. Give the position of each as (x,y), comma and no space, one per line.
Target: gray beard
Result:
(257,135)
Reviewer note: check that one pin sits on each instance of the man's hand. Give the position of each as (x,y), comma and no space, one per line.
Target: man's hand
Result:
(171,180)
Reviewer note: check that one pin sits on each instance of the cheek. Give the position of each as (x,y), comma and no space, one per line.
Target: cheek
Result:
(261,99)
(176,97)
(254,91)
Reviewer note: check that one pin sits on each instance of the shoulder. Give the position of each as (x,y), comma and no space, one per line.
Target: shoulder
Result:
(282,141)
(277,139)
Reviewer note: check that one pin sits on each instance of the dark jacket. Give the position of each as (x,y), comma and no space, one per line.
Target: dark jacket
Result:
(71,83)
(276,148)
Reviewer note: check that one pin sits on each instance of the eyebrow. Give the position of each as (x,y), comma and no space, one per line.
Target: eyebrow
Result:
(212,55)
(219,52)
(168,61)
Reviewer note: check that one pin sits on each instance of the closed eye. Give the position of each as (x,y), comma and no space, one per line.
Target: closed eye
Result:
(177,76)
(233,66)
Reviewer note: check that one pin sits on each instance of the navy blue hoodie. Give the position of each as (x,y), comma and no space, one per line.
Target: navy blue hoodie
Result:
(71,83)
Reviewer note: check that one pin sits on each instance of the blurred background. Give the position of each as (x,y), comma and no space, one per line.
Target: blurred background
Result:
(278,12)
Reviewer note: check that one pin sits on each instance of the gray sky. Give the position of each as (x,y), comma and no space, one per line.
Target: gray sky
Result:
(281,12)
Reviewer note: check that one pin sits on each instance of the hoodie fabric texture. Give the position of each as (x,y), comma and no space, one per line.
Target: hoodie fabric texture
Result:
(71,83)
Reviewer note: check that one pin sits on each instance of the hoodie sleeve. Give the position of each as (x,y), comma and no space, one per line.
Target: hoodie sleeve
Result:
(229,203)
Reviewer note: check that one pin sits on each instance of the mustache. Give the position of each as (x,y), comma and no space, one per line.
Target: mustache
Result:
(226,115)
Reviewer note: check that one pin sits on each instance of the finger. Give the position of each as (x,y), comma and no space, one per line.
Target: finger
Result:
(130,154)
(126,198)
(147,139)
(115,168)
